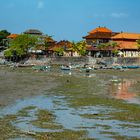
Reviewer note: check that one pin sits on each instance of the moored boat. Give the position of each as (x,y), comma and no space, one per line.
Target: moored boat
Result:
(41,68)
(65,67)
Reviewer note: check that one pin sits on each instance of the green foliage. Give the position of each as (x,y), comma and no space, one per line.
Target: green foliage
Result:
(102,46)
(115,52)
(24,41)
(107,45)
(80,47)
(138,44)
(8,53)
(114,44)
(20,45)
(59,51)
(3,35)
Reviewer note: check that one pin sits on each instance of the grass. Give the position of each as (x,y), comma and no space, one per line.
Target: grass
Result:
(123,110)
(7,130)
(64,135)
(25,111)
(45,119)
(105,127)
(129,126)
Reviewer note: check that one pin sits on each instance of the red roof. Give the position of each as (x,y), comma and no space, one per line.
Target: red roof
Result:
(101,29)
(13,36)
(124,35)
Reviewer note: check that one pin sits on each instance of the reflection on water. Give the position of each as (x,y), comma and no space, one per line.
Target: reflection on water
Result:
(120,89)
(123,90)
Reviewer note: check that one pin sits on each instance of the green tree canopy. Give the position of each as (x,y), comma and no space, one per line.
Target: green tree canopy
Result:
(107,45)
(20,45)
(80,47)
(3,35)
(59,51)
(138,44)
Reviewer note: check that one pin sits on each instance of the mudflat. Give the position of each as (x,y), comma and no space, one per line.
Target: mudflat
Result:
(20,83)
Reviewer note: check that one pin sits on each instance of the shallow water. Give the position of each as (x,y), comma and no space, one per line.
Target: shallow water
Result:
(71,118)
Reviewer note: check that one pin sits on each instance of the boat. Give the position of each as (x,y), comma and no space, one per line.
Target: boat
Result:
(66,67)
(133,67)
(117,67)
(25,65)
(88,69)
(41,68)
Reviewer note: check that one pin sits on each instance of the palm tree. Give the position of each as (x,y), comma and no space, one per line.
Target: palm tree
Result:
(138,44)
(80,47)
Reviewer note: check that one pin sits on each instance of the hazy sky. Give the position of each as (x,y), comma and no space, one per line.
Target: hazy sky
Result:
(69,19)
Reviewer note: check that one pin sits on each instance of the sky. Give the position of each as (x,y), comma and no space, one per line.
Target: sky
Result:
(69,19)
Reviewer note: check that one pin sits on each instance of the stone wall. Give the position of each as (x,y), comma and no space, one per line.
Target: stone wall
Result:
(92,60)
(67,60)
(86,60)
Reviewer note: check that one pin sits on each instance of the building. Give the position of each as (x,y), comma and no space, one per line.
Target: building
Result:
(98,37)
(45,42)
(102,42)
(63,48)
(127,44)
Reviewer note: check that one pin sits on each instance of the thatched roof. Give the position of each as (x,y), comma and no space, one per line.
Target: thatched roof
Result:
(33,32)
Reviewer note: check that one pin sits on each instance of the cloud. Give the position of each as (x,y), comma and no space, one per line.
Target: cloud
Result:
(119,15)
(40,4)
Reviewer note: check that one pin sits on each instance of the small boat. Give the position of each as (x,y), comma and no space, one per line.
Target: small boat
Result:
(41,68)
(65,67)
(117,67)
(88,69)
(133,67)
(25,65)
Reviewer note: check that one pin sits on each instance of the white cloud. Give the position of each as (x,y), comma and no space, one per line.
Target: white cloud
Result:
(40,4)
(119,15)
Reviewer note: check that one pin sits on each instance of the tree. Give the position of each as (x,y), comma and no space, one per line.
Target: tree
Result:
(59,51)
(80,47)
(107,45)
(3,35)
(115,52)
(19,46)
(138,44)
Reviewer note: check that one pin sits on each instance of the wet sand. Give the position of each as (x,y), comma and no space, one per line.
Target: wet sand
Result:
(21,83)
